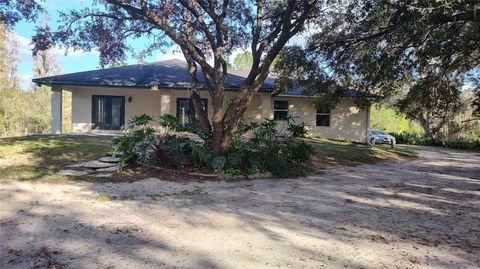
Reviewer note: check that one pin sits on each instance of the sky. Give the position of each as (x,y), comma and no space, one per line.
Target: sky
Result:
(74,61)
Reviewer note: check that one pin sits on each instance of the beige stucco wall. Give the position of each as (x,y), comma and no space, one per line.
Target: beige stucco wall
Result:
(143,101)
(347,122)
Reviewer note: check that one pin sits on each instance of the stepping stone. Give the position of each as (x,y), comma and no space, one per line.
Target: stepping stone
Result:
(109,169)
(108,159)
(74,173)
(102,175)
(96,165)
(77,165)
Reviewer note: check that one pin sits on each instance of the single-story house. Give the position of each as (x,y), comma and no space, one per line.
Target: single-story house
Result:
(106,99)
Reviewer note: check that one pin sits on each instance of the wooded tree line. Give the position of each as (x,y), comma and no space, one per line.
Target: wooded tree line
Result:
(25,111)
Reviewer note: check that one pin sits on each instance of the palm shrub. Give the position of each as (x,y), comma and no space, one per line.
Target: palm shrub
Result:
(136,144)
(269,150)
(176,151)
(296,130)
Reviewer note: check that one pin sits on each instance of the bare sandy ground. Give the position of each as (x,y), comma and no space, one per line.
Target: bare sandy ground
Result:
(417,213)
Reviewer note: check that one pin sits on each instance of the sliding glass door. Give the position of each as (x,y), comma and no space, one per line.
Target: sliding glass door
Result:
(108,112)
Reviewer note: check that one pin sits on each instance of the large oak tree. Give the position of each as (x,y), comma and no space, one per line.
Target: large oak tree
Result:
(207,32)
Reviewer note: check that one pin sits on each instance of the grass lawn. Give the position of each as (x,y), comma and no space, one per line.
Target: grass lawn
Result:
(331,153)
(38,157)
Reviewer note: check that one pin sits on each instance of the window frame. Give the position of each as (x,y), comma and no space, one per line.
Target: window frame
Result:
(96,124)
(191,108)
(329,114)
(281,110)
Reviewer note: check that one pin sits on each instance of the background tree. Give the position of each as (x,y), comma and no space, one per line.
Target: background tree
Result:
(9,60)
(432,105)
(45,63)
(476,104)
(25,111)
(8,80)
(243,61)
(207,32)
(428,49)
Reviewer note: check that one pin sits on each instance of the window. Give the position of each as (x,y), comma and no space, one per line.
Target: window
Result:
(280,110)
(323,117)
(186,111)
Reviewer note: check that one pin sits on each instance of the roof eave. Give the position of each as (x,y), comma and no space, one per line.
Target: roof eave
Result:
(372,97)
(70,83)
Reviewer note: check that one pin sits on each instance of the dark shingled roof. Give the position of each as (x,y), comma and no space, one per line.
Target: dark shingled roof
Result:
(296,92)
(170,74)
(165,74)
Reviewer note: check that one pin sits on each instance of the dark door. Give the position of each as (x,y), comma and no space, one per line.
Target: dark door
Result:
(186,111)
(108,112)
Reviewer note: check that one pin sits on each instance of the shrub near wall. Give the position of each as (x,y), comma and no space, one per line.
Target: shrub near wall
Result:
(267,150)
(416,139)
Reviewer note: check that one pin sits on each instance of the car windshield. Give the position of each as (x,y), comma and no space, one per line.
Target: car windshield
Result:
(378,133)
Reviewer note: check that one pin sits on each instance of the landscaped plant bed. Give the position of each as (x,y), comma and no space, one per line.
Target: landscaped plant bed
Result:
(280,154)
(205,175)
(267,153)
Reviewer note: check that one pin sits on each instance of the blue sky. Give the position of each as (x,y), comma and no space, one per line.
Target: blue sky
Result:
(74,61)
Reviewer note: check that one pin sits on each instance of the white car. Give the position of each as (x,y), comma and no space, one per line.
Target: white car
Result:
(380,137)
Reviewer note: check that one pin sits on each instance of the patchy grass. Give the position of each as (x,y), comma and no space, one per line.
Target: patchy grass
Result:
(332,153)
(37,157)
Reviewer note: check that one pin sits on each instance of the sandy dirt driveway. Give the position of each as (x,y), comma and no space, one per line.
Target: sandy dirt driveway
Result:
(416,213)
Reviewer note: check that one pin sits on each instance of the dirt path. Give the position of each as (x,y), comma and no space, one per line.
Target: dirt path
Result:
(421,213)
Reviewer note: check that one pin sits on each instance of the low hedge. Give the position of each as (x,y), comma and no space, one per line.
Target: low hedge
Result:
(417,139)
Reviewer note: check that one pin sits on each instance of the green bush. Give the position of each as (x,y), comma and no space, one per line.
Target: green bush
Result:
(473,144)
(296,130)
(170,151)
(169,122)
(417,139)
(266,150)
(176,151)
(136,144)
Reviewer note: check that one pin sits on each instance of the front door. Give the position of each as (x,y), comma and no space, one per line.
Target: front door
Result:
(108,112)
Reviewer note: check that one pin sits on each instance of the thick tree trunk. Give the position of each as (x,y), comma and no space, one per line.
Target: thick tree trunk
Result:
(429,129)
(218,128)
(230,122)
(203,122)
(219,145)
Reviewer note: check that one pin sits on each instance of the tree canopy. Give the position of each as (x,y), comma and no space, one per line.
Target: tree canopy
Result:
(422,52)
(13,11)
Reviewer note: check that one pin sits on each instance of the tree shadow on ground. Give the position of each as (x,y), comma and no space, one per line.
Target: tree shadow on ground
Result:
(398,214)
